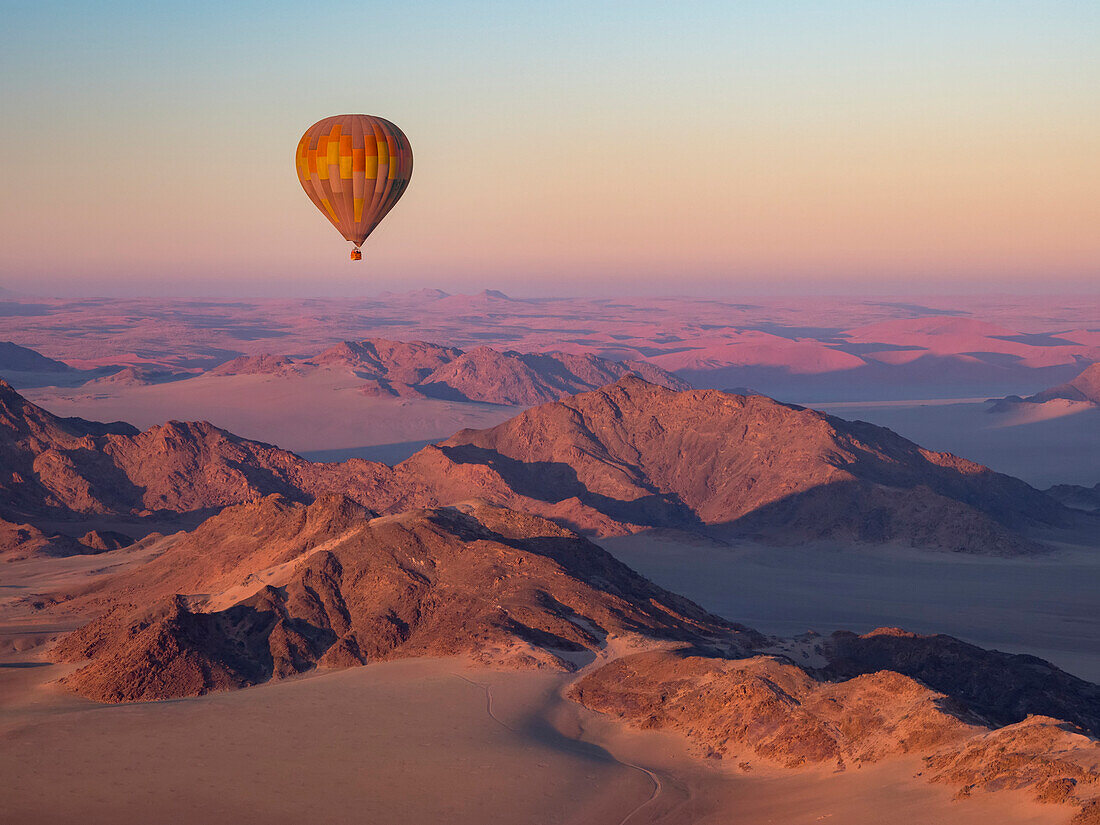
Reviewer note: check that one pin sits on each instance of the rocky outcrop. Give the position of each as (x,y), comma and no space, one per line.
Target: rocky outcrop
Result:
(24,541)
(767,709)
(1053,760)
(1002,688)
(254,365)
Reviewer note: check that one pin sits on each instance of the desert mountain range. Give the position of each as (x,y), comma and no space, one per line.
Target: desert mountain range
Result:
(647,456)
(788,348)
(628,457)
(1077,496)
(406,369)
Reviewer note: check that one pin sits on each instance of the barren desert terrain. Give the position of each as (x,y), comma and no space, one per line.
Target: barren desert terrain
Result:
(380,565)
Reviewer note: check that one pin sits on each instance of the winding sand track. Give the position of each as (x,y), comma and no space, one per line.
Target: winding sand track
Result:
(653,777)
(488,701)
(652,797)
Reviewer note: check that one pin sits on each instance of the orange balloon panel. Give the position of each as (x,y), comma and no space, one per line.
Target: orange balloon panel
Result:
(354,168)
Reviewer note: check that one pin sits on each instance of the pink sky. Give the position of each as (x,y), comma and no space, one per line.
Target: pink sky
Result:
(813,147)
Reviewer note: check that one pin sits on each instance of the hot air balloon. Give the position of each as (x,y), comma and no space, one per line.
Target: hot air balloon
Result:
(354,168)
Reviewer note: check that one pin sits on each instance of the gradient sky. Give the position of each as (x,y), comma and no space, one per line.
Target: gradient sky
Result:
(588,147)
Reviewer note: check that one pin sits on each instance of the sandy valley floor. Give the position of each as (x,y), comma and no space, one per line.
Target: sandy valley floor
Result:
(413,741)
(1045,605)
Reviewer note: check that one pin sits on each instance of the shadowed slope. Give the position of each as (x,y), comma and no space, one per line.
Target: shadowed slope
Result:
(1002,687)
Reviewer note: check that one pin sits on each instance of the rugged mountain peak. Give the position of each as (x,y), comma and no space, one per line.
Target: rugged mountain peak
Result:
(404,361)
(62,468)
(275,587)
(649,456)
(20,419)
(263,364)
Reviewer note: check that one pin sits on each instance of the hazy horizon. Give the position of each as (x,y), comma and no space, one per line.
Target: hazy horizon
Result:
(366,288)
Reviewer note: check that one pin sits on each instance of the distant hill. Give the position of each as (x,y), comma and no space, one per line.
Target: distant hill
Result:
(137,377)
(521,379)
(1077,496)
(411,368)
(14,358)
(1085,388)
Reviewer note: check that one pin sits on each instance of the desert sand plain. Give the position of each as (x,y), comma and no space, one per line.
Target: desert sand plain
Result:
(414,741)
(449,739)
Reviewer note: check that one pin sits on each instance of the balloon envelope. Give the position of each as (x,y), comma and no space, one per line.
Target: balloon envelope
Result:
(354,168)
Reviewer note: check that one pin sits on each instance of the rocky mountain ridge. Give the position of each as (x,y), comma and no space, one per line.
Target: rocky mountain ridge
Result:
(642,455)
(270,589)
(407,369)
(629,457)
